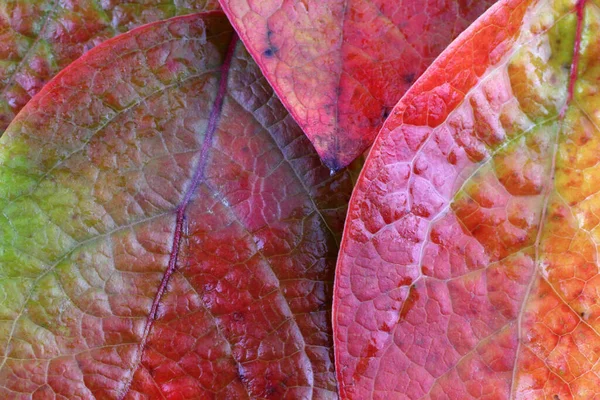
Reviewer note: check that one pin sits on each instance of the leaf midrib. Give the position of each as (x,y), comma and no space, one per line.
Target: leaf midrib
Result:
(178,234)
(579,9)
(78,245)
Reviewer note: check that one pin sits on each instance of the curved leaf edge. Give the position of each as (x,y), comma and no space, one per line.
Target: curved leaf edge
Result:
(415,89)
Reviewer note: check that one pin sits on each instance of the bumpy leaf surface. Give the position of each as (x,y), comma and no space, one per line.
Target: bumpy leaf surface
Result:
(38,38)
(167,230)
(469,265)
(340,66)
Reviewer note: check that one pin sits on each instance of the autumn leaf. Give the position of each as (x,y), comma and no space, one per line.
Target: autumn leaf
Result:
(340,66)
(41,37)
(469,264)
(166,229)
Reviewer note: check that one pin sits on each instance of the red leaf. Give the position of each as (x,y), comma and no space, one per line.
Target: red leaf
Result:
(340,66)
(469,264)
(166,230)
(40,38)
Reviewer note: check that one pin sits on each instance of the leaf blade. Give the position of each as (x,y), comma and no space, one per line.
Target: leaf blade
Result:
(41,38)
(94,197)
(456,260)
(341,66)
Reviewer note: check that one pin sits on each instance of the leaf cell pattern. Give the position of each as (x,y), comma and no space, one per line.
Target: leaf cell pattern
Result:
(340,66)
(39,38)
(167,231)
(469,264)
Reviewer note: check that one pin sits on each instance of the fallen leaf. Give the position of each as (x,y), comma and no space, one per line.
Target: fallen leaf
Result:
(39,38)
(167,230)
(340,66)
(469,264)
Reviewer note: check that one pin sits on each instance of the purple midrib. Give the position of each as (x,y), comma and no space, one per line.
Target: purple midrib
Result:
(182,208)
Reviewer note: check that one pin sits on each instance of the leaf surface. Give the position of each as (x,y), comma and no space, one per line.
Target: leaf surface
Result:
(469,264)
(340,66)
(41,37)
(167,230)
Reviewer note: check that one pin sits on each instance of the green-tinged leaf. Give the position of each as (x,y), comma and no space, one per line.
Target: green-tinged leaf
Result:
(167,230)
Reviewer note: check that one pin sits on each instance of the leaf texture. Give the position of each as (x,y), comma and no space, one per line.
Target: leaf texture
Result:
(469,264)
(41,37)
(167,230)
(340,66)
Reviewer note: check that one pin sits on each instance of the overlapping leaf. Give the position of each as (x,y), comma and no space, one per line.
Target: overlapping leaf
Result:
(41,37)
(469,265)
(166,230)
(340,66)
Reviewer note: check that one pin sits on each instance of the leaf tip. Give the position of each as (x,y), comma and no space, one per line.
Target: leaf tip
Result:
(331,162)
